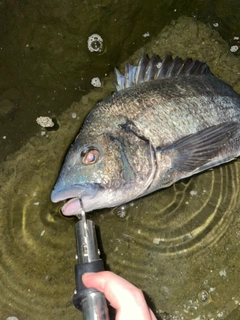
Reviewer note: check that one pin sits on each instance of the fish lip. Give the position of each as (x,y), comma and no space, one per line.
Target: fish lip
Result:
(74,191)
(72,207)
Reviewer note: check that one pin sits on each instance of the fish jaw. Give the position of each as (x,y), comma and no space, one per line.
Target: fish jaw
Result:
(93,197)
(74,192)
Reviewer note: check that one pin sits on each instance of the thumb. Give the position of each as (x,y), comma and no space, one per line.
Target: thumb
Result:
(127,299)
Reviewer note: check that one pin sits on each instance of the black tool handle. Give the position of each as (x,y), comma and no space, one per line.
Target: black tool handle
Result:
(81,291)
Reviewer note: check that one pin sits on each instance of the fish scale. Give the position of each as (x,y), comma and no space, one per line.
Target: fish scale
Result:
(168,119)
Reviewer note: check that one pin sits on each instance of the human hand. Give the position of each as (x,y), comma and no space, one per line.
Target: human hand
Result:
(127,299)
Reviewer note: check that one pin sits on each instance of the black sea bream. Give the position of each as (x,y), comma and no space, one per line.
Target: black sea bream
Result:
(166,121)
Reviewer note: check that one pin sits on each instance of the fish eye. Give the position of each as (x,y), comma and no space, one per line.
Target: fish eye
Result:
(90,155)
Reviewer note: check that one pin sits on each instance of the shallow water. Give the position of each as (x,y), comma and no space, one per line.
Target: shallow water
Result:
(45,64)
(180,245)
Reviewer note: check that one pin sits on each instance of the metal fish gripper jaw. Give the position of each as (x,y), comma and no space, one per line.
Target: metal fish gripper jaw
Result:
(90,301)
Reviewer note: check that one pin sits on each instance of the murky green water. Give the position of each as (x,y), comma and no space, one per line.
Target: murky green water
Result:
(180,245)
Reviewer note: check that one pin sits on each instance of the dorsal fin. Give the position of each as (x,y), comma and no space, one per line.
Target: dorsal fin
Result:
(156,68)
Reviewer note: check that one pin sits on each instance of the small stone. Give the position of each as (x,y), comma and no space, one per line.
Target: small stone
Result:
(45,122)
(96,82)
(156,240)
(223,273)
(147,34)
(234,48)
(193,193)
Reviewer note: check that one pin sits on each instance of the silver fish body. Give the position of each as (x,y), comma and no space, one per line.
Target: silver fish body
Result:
(168,120)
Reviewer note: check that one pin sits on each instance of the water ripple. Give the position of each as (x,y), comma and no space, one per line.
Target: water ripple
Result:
(181,242)
(189,216)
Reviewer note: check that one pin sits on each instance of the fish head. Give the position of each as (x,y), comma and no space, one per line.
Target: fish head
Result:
(104,170)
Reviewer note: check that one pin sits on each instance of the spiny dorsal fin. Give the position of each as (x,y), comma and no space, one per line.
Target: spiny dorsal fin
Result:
(156,68)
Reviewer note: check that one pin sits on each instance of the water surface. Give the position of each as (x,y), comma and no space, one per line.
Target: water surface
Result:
(180,245)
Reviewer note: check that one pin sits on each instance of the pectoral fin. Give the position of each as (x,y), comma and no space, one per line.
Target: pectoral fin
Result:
(205,149)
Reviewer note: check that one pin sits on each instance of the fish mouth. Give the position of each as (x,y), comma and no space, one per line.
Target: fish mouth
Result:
(73,194)
(72,207)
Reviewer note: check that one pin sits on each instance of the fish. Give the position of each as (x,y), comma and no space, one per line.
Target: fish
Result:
(167,120)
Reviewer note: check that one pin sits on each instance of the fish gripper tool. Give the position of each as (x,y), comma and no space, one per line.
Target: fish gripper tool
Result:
(90,301)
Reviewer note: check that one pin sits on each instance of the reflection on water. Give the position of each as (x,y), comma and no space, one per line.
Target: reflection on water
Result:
(180,245)
(178,228)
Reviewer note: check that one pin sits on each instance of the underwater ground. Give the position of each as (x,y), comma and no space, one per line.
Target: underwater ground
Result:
(179,245)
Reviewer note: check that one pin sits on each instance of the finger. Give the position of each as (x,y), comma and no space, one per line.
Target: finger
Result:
(127,299)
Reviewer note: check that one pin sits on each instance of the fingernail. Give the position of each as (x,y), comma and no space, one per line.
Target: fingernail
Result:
(88,274)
